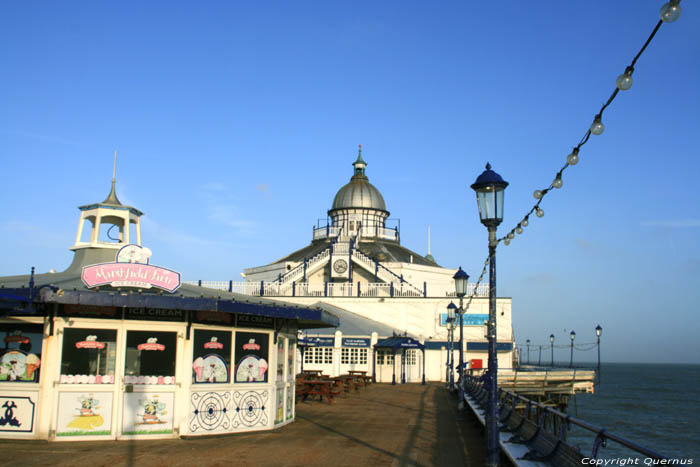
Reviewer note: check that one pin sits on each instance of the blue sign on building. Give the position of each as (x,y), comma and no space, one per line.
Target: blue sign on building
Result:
(468,319)
(355,342)
(321,341)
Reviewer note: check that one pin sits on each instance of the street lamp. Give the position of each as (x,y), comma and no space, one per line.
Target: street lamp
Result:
(572,336)
(551,342)
(490,188)
(461,278)
(451,310)
(528,351)
(598,332)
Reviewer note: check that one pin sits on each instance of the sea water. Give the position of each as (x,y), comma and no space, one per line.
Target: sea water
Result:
(653,405)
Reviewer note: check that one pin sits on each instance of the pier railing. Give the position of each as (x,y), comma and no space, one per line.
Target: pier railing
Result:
(538,432)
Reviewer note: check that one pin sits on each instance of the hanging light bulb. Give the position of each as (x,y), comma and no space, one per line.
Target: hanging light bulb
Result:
(572,159)
(539,212)
(670,11)
(524,222)
(538,194)
(557,183)
(506,241)
(624,81)
(518,229)
(597,127)
(511,235)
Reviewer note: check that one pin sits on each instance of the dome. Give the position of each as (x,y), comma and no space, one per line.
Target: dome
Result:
(359,193)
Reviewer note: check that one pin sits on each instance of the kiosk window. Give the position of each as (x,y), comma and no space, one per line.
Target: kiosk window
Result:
(150,357)
(88,356)
(211,361)
(20,354)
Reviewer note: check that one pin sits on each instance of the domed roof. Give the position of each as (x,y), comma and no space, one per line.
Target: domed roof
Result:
(359,193)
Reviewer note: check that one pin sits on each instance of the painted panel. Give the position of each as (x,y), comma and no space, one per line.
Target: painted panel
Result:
(251,357)
(250,409)
(148,413)
(84,414)
(17,412)
(279,413)
(210,412)
(290,401)
(473,319)
(290,360)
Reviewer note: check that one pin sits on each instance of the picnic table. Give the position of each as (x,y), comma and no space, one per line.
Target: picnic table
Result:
(312,372)
(320,387)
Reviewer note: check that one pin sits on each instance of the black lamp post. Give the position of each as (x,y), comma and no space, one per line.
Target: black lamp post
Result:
(528,351)
(551,342)
(598,332)
(451,310)
(539,361)
(461,279)
(572,336)
(489,188)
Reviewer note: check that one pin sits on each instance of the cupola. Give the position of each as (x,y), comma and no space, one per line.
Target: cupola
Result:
(110,224)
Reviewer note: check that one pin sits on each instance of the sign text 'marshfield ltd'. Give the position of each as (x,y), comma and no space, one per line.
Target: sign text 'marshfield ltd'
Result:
(131,275)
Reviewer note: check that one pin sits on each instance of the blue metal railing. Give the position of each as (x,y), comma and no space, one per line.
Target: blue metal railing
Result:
(548,418)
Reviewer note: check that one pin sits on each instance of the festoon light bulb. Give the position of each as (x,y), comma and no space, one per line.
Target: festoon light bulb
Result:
(519,229)
(625,81)
(511,235)
(597,127)
(539,212)
(671,11)
(525,222)
(506,241)
(572,159)
(557,183)
(537,194)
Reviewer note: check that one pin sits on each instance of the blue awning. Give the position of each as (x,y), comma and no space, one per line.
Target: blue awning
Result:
(306,317)
(399,342)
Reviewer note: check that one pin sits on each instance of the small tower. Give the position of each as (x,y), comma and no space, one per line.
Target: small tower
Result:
(103,242)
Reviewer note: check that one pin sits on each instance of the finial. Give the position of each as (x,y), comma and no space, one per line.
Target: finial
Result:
(112,197)
(488,166)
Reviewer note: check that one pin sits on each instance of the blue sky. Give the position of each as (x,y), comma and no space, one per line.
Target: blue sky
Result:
(236,124)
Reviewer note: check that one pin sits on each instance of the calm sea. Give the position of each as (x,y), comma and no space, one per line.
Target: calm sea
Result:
(656,406)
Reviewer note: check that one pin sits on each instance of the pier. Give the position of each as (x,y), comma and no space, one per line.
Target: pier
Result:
(382,425)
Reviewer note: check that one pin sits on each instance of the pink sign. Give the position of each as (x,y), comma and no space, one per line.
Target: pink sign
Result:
(131,275)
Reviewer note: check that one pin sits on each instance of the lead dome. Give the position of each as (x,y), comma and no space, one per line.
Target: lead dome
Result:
(359,192)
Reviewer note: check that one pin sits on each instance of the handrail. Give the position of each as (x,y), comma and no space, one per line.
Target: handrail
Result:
(473,384)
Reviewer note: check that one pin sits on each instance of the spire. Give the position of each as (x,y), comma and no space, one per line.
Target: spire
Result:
(428,239)
(429,257)
(359,164)
(112,197)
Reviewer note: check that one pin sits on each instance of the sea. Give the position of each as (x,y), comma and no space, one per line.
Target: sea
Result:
(653,405)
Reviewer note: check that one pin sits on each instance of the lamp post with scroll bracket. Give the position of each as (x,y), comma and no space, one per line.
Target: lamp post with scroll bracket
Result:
(572,335)
(598,333)
(461,279)
(490,188)
(451,311)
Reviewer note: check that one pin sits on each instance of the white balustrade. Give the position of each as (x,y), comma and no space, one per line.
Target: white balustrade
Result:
(332,289)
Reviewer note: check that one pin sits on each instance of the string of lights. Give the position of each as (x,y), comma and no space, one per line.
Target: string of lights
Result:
(669,13)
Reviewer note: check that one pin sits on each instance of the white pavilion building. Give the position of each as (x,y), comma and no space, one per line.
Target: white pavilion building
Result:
(356,268)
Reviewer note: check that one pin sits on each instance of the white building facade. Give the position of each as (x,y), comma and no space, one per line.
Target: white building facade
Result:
(356,264)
